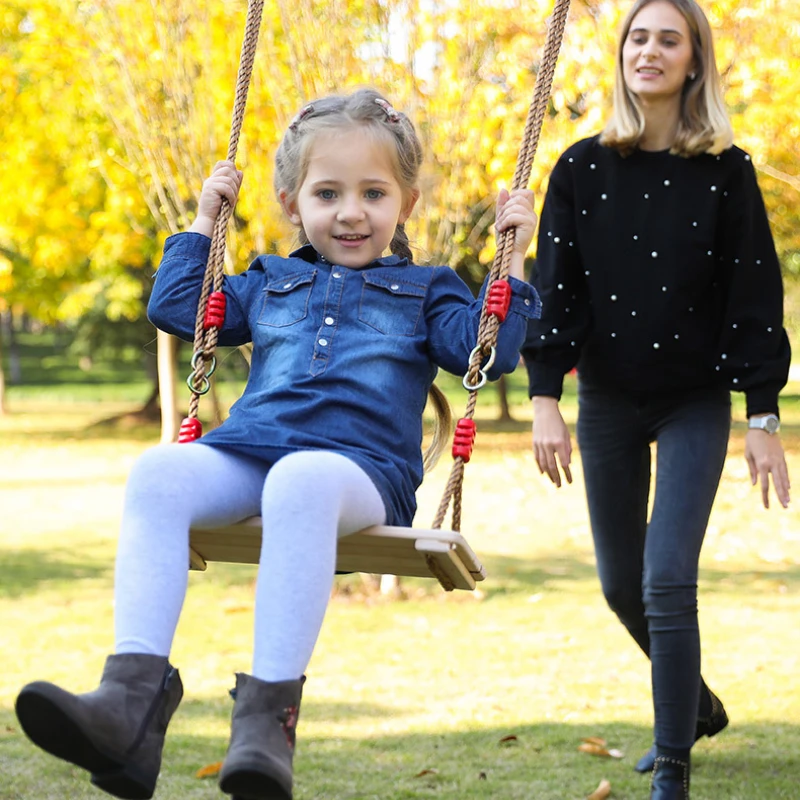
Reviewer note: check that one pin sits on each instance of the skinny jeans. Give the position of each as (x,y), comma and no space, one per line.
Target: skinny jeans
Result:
(648,569)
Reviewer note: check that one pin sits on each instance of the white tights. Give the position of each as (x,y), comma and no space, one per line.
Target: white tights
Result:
(307,500)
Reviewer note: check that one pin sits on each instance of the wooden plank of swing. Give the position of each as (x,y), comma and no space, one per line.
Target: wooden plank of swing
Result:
(383,549)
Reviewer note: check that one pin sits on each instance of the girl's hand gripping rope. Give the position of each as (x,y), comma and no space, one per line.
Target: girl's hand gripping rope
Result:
(223,183)
(515,210)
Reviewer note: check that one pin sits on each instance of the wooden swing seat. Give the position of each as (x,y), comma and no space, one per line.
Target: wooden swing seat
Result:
(382,549)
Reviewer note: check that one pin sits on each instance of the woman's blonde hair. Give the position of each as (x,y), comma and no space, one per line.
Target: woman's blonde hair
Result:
(365,110)
(704,125)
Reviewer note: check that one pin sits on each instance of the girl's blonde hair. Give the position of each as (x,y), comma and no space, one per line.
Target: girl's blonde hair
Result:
(704,125)
(364,110)
(368,111)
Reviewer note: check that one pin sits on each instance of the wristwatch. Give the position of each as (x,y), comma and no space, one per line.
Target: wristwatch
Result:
(769,423)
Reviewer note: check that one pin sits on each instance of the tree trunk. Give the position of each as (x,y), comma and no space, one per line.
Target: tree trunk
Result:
(502,395)
(167,386)
(3,409)
(14,363)
(151,407)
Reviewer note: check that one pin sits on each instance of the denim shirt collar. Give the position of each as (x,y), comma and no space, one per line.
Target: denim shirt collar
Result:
(309,254)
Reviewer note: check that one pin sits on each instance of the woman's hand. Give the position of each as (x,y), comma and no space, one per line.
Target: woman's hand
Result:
(764,455)
(223,183)
(551,440)
(515,210)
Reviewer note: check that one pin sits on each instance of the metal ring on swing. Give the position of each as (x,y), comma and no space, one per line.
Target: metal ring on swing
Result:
(211,367)
(481,382)
(205,385)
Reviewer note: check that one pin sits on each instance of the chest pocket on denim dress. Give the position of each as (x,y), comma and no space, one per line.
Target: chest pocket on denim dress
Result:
(391,305)
(286,299)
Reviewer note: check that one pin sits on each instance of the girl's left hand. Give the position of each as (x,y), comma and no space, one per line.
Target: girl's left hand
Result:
(764,455)
(515,210)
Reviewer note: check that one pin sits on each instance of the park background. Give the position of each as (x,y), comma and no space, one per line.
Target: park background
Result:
(113,112)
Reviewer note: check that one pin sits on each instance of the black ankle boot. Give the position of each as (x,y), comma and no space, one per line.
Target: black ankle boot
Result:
(716,721)
(670,779)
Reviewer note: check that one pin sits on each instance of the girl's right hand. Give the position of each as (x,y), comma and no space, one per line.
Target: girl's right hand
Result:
(223,183)
(551,440)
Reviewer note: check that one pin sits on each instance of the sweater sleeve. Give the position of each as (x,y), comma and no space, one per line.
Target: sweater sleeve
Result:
(553,342)
(754,351)
(178,285)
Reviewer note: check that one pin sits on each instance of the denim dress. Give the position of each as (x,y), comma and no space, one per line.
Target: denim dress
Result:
(342,358)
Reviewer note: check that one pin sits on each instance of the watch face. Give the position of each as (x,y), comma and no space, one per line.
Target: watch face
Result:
(771,424)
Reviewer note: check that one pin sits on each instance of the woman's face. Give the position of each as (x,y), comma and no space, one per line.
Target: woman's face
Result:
(657,53)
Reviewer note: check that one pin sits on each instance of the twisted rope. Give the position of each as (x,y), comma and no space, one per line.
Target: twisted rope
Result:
(489,324)
(205,340)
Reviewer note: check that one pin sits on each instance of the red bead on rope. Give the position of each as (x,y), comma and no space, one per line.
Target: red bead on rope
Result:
(499,300)
(215,311)
(464,438)
(191,430)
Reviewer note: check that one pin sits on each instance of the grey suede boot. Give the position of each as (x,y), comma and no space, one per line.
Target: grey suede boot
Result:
(258,765)
(115,732)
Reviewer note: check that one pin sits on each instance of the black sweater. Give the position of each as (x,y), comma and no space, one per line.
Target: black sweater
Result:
(657,273)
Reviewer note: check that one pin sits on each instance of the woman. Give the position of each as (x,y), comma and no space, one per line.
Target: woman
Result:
(659,280)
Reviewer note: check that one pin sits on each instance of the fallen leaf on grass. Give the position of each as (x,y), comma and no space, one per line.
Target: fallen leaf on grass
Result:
(595,746)
(594,740)
(601,792)
(237,609)
(512,737)
(427,772)
(209,770)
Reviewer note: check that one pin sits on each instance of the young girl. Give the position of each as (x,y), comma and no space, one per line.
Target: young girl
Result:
(660,280)
(325,440)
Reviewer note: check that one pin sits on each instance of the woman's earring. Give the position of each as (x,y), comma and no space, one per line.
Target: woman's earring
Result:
(692,76)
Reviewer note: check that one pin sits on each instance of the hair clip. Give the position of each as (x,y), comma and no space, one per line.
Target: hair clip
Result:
(393,115)
(302,114)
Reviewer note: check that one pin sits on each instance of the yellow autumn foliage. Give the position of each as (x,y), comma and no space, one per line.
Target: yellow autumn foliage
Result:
(115,110)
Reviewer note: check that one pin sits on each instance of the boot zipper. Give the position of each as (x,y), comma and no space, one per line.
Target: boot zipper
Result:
(169,674)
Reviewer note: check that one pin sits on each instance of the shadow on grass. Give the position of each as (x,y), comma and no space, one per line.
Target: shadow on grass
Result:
(540,762)
(26,571)
(508,575)
(126,427)
(198,711)
(769,580)
(537,761)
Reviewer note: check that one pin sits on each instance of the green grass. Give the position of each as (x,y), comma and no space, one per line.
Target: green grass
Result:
(433,681)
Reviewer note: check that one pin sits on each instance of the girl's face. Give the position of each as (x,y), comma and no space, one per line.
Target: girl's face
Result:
(350,202)
(657,53)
